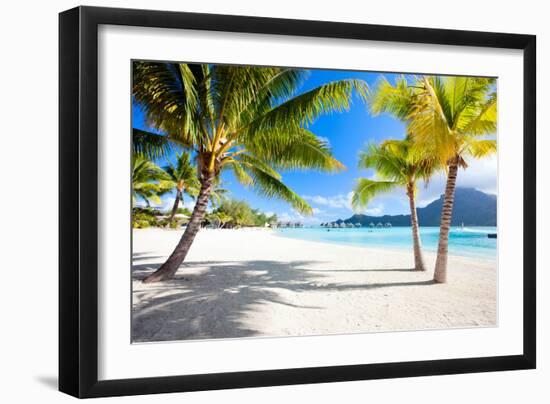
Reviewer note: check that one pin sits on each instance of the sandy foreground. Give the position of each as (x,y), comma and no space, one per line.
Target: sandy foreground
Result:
(252,282)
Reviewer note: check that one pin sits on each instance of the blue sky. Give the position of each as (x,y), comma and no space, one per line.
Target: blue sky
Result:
(348,132)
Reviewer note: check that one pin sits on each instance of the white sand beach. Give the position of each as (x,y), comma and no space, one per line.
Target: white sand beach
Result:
(254,283)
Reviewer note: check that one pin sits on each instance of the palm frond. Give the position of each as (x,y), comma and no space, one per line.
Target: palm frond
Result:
(293,149)
(479,148)
(169,96)
(448,112)
(150,145)
(148,181)
(245,118)
(429,123)
(482,119)
(183,174)
(366,190)
(240,173)
(384,160)
(396,99)
(305,108)
(273,187)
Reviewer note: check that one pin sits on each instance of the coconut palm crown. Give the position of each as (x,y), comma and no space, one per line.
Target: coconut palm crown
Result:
(149,181)
(451,120)
(249,120)
(395,166)
(184,178)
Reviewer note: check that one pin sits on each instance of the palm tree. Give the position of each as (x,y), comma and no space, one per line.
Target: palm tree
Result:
(184,178)
(222,218)
(451,120)
(396,166)
(149,181)
(245,119)
(218,194)
(151,146)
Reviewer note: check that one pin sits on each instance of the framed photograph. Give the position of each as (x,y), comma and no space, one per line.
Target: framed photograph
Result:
(250,202)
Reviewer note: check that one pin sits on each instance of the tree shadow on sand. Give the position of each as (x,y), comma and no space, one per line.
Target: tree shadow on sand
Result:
(211,299)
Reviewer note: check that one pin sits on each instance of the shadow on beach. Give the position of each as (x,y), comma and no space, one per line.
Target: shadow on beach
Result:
(211,299)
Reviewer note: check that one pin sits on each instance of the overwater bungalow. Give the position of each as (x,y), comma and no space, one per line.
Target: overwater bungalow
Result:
(371,224)
(350,225)
(388,224)
(342,225)
(379,224)
(357,224)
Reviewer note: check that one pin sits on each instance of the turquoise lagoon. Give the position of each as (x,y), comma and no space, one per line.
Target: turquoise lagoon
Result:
(468,242)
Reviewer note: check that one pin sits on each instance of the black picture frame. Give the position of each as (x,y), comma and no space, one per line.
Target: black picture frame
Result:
(78,196)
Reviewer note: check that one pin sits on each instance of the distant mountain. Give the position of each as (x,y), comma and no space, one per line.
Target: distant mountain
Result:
(471,207)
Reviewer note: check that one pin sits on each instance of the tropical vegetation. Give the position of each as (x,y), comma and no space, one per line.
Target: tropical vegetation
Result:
(247,120)
(234,213)
(396,166)
(183,176)
(149,181)
(254,123)
(449,119)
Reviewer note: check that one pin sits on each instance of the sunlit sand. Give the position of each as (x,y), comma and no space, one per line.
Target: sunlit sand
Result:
(253,283)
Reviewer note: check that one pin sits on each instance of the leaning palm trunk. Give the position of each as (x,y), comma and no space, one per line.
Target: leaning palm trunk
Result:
(440,273)
(179,196)
(170,267)
(417,246)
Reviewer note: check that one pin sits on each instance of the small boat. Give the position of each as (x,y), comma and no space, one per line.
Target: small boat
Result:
(492,235)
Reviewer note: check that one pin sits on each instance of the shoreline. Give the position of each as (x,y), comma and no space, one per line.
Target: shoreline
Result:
(238,283)
(382,249)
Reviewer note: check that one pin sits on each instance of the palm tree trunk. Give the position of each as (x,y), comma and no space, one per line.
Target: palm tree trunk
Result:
(175,208)
(169,268)
(417,244)
(440,273)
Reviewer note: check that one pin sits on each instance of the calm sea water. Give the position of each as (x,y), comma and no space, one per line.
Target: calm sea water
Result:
(468,242)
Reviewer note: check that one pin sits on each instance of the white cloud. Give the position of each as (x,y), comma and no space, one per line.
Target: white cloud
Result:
(288,217)
(480,174)
(374,211)
(295,216)
(167,203)
(188,204)
(336,201)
